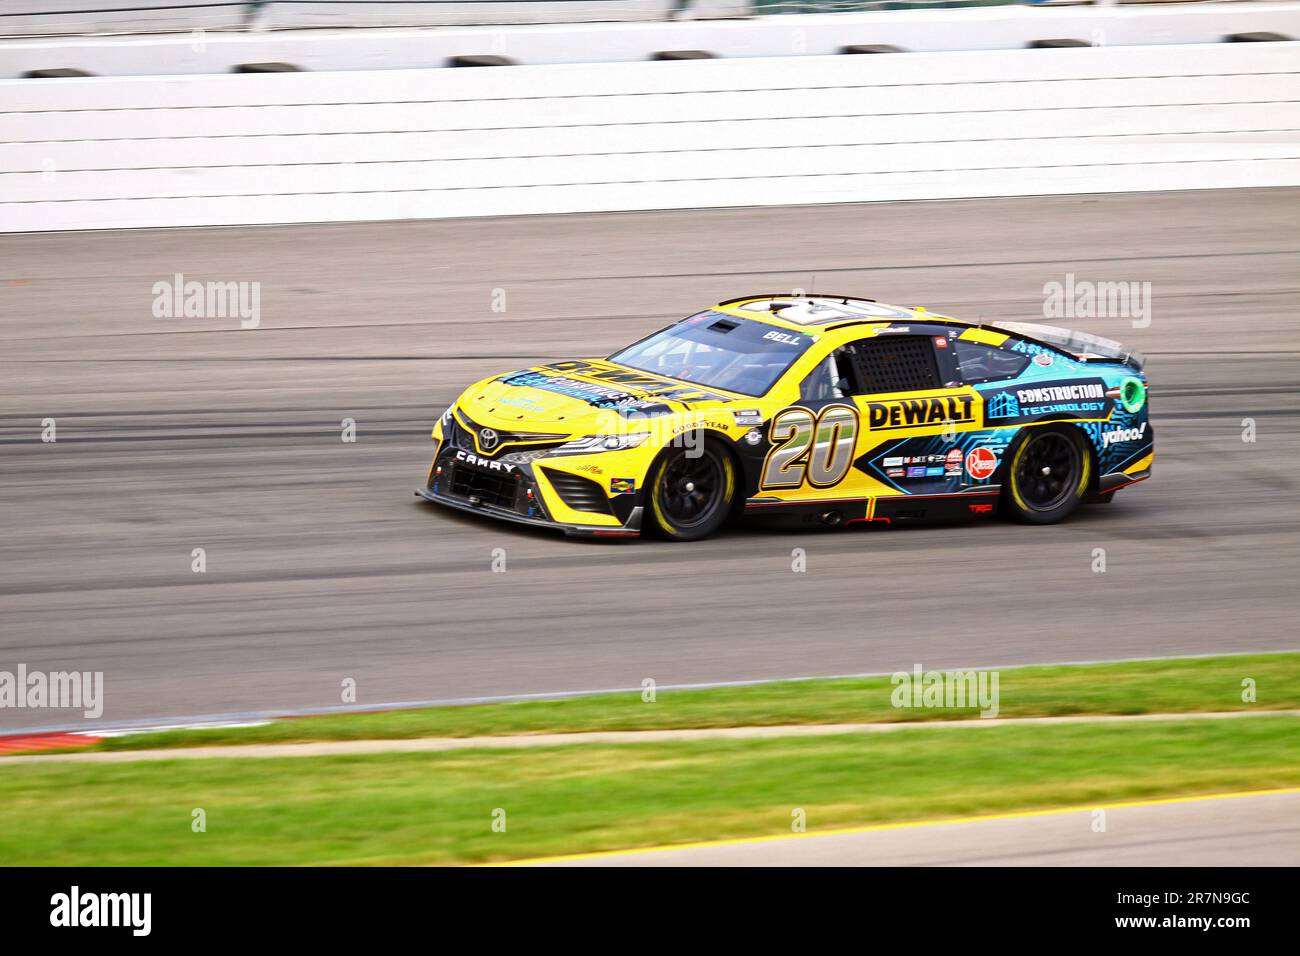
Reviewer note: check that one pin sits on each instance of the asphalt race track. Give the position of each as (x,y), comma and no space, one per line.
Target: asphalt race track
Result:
(176,434)
(1254,830)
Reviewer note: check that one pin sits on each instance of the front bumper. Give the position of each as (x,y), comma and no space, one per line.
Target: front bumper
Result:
(630,528)
(524,485)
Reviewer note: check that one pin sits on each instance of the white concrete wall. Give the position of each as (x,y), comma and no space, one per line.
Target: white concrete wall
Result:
(202,150)
(985,28)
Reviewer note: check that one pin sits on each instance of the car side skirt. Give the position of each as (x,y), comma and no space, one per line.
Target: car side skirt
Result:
(887,510)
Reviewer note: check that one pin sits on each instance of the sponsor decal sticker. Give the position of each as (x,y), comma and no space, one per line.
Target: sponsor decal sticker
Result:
(518,401)
(892,462)
(694,426)
(783,337)
(1029,348)
(1118,435)
(622,486)
(1060,393)
(953,463)
(639,391)
(981,463)
(1081,399)
(934,472)
(895,472)
(916,471)
(940,342)
(918,412)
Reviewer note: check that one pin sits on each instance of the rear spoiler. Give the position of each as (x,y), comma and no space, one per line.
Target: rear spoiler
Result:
(1081,346)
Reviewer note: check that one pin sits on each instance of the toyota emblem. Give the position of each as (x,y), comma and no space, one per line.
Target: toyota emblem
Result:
(488,439)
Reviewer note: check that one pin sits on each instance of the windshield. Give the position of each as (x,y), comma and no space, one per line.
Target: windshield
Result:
(720,351)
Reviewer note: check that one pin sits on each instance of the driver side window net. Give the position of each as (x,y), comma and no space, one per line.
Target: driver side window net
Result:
(823,382)
(894,363)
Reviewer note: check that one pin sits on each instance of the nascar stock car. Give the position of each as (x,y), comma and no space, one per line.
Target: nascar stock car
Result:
(813,409)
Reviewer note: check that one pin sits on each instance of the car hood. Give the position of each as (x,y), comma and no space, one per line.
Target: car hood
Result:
(581,396)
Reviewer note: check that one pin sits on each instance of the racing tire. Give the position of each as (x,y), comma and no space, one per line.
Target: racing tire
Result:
(1048,471)
(690,496)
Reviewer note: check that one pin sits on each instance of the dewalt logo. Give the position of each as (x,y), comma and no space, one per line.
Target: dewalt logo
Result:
(918,412)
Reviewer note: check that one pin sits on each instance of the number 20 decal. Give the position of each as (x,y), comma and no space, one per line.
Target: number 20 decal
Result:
(816,447)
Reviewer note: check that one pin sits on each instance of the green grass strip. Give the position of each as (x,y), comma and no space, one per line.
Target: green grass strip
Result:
(437,807)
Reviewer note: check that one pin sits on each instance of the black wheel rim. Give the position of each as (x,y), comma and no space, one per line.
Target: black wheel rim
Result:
(690,488)
(1048,471)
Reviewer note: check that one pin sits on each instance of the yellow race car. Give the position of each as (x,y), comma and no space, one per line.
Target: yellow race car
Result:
(811,409)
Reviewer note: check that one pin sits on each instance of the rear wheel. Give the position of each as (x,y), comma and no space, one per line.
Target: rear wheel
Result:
(691,491)
(1047,475)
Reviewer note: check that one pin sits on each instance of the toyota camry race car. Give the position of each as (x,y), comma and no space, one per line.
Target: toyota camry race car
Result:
(812,409)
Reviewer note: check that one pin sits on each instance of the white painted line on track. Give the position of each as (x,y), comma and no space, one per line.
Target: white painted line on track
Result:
(260,716)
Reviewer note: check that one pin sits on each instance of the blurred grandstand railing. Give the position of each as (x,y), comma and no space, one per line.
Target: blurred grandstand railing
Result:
(87,17)
(96,17)
(766,7)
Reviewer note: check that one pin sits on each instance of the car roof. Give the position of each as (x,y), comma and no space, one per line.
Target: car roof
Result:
(818,313)
(821,312)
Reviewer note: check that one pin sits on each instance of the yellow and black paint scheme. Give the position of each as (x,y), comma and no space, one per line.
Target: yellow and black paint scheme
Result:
(840,436)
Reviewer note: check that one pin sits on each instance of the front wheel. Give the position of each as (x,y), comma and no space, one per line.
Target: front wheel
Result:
(691,491)
(1047,475)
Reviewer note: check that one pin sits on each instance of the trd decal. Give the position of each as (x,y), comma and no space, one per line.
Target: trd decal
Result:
(917,412)
(817,448)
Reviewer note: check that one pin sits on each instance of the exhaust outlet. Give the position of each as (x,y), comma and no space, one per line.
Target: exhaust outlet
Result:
(832,518)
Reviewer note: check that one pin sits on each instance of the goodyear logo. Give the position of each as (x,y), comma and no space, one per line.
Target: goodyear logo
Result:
(918,412)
